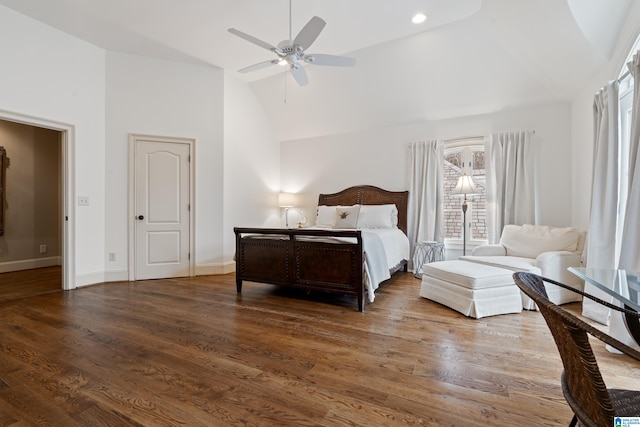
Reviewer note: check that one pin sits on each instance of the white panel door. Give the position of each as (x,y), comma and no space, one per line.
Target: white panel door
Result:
(162,223)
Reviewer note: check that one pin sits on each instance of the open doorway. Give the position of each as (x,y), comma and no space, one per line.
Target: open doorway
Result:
(34,242)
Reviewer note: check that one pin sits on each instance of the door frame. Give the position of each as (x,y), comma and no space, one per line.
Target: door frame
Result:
(133,139)
(68,190)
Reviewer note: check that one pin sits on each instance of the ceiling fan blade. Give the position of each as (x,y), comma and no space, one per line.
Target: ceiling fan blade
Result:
(309,33)
(336,61)
(300,75)
(252,39)
(258,66)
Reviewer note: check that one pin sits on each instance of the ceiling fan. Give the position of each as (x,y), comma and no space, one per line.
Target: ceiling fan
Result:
(292,52)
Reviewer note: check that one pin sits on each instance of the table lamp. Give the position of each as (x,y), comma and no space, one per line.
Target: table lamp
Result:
(286,201)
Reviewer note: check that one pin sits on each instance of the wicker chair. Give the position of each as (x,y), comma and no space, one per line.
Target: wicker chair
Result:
(582,384)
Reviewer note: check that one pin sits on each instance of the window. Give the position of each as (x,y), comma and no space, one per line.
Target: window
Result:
(625,111)
(464,156)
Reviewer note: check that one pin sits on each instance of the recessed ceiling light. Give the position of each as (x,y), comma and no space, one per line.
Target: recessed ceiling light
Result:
(419,18)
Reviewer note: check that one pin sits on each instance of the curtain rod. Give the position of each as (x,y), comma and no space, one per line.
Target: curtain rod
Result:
(622,77)
(472,138)
(468,138)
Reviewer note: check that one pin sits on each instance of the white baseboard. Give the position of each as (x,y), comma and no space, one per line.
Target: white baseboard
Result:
(123,275)
(101,277)
(89,279)
(28,264)
(116,276)
(216,269)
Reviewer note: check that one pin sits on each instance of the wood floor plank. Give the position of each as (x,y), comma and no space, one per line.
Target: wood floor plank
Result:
(25,283)
(194,352)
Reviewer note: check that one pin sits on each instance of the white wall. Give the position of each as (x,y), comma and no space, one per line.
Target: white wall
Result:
(251,164)
(52,76)
(164,98)
(498,58)
(104,97)
(379,156)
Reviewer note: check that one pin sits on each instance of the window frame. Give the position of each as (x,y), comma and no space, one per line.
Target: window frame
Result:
(467,146)
(625,98)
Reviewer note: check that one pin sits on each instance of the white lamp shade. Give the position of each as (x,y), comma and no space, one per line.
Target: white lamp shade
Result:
(286,200)
(465,186)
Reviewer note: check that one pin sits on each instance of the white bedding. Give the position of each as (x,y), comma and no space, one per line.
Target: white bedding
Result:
(384,249)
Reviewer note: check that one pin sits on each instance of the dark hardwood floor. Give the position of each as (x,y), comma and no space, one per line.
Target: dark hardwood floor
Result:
(26,283)
(193,352)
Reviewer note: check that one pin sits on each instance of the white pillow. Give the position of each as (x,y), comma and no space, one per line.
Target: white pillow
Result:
(347,216)
(378,216)
(326,216)
(529,241)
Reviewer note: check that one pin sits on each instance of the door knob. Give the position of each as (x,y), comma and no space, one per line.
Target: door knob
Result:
(140,217)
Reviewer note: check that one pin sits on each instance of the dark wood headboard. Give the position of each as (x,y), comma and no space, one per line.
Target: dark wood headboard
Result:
(369,195)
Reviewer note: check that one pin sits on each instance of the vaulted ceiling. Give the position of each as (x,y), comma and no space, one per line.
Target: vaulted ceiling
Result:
(469,57)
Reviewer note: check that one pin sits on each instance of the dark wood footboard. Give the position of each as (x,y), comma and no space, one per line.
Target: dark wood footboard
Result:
(295,258)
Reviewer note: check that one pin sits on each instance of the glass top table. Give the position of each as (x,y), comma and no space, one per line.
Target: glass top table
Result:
(623,285)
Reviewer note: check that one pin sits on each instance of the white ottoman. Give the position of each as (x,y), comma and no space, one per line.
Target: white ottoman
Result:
(475,290)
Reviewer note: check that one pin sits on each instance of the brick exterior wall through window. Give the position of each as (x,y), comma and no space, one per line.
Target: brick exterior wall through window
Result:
(453,205)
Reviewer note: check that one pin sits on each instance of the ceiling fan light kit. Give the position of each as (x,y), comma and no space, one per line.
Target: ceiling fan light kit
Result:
(292,53)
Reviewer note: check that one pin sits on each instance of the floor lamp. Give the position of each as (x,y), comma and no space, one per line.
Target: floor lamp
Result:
(464,187)
(286,201)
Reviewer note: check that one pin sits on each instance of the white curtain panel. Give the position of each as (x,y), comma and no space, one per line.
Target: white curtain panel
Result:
(510,189)
(630,245)
(600,250)
(425,216)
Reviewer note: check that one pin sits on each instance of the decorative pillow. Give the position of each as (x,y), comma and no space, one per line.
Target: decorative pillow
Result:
(378,216)
(529,241)
(326,216)
(347,216)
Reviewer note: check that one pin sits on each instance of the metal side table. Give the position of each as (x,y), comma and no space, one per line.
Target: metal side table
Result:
(427,251)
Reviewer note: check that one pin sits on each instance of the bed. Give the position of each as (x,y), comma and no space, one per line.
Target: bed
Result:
(329,257)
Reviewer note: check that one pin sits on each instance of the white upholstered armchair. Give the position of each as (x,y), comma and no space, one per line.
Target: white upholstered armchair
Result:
(543,250)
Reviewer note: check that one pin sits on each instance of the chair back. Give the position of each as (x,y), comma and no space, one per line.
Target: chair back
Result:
(582,383)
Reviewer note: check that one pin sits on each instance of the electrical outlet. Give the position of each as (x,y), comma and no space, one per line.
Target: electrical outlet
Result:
(83,200)
(112,256)
(43,249)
